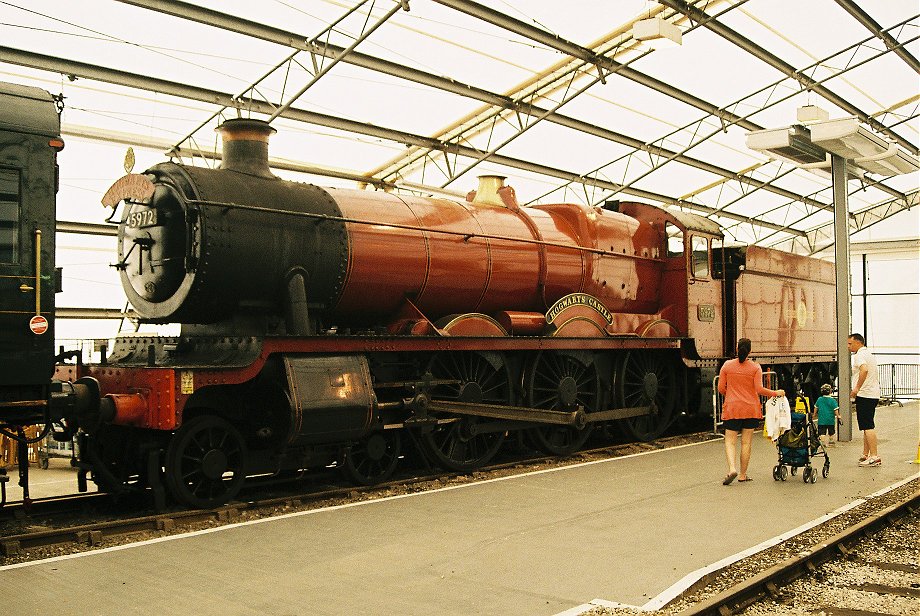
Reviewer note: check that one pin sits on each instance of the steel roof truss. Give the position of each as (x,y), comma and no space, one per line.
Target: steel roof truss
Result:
(795,87)
(875,28)
(807,83)
(241,26)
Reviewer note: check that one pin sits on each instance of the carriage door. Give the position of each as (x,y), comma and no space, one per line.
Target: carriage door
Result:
(705,299)
(27,280)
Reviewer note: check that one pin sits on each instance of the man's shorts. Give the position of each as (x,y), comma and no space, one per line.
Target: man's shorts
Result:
(826,429)
(865,412)
(736,425)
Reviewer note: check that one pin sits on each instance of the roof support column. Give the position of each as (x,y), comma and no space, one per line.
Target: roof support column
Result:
(842,260)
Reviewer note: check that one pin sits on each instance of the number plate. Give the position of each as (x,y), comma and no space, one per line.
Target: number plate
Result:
(706,312)
(142,218)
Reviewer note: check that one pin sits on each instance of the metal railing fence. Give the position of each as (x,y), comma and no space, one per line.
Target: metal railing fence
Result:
(899,382)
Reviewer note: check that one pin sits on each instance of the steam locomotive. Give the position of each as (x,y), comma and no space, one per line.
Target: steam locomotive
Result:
(327,326)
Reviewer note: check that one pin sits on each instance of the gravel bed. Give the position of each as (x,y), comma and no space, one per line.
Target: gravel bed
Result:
(830,585)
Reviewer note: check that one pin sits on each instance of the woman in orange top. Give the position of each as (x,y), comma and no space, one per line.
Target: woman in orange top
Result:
(741,384)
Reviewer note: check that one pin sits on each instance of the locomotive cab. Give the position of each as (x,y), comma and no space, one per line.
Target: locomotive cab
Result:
(691,295)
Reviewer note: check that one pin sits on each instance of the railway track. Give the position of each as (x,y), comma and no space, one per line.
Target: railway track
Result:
(68,524)
(863,562)
(837,576)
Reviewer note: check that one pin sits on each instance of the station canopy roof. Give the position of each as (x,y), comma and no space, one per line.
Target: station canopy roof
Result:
(559,97)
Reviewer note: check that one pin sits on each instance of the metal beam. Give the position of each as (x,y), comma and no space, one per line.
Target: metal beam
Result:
(144,141)
(293,40)
(583,53)
(133,80)
(787,69)
(875,28)
(821,237)
(297,41)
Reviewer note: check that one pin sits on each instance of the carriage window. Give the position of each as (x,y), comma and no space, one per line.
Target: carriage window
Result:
(700,257)
(675,240)
(9,216)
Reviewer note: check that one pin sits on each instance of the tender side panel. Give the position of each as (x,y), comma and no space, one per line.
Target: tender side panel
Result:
(786,303)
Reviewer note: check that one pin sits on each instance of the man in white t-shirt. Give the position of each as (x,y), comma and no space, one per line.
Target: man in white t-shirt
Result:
(866,392)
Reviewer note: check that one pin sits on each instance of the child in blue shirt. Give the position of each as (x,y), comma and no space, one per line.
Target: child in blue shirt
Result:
(828,412)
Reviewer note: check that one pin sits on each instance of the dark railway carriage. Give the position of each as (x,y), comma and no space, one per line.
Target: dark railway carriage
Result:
(29,141)
(329,325)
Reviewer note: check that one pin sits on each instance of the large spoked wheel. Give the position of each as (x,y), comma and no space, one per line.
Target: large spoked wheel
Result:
(205,462)
(562,381)
(643,377)
(373,459)
(466,443)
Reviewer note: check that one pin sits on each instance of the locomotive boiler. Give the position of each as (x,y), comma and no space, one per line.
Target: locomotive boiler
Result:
(200,246)
(320,325)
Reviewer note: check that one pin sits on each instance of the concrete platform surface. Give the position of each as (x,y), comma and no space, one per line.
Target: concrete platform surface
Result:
(621,530)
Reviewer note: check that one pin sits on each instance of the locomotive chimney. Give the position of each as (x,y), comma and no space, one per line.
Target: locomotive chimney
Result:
(246,146)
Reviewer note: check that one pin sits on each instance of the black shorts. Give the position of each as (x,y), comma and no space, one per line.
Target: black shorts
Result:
(865,413)
(828,429)
(737,425)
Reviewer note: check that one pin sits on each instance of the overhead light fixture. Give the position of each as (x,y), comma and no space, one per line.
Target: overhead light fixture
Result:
(791,143)
(657,32)
(848,138)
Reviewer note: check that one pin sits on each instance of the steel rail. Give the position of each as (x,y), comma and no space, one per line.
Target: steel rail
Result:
(741,595)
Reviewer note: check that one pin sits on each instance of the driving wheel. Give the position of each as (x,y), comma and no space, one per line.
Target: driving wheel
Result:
(466,443)
(562,381)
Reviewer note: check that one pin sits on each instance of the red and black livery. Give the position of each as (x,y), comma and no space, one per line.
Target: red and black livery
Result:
(323,325)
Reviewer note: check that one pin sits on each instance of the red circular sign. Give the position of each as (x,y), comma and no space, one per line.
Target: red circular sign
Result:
(38,324)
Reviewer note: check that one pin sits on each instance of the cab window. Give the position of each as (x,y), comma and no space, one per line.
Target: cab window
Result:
(700,256)
(675,240)
(9,216)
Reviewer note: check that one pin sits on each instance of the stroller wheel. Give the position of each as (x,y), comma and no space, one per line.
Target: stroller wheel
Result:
(783,473)
(795,470)
(776,473)
(826,470)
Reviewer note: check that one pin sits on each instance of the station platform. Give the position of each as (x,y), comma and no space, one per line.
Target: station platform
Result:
(635,530)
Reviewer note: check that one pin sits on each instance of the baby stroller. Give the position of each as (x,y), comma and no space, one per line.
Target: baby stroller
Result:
(797,446)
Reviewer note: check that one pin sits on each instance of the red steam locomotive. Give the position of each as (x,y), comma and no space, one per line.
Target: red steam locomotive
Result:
(326,325)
